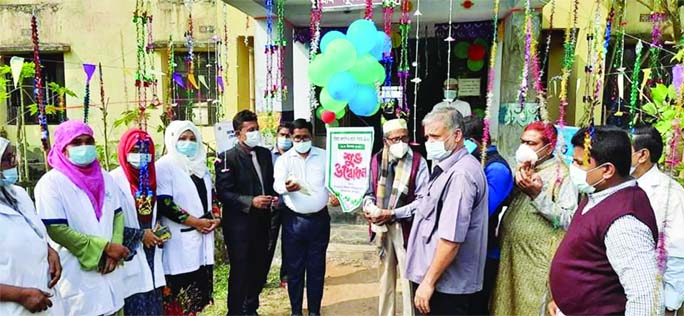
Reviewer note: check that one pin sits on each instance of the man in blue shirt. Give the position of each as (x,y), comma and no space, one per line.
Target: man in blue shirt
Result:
(500,185)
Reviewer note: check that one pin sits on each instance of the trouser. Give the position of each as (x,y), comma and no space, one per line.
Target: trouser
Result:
(306,238)
(274,232)
(246,237)
(483,298)
(394,259)
(443,304)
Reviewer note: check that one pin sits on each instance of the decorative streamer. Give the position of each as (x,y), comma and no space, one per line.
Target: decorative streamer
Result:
(449,38)
(189,60)
(635,86)
(271,50)
(89,69)
(104,116)
(522,92)
(678,82)
(490,83)
(144,194)
(281,44)
(404,69)
(548,38)
(387,57)
(178,79)
(368,15)
(619,59)
(657,19)
(16,65)
(315,33)
(38,88)
(142,20)
(416,80)
(171,93)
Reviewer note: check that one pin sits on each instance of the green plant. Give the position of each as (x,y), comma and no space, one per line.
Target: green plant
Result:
(662,113)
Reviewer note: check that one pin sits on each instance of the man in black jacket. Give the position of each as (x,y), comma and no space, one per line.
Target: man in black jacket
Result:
(244,184)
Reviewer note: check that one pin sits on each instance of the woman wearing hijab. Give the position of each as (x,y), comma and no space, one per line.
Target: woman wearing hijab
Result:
(79,204)
(137,180)
(184,202)
(30,267)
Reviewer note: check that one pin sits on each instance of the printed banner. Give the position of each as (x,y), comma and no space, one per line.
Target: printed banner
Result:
(348,164)
(225,136)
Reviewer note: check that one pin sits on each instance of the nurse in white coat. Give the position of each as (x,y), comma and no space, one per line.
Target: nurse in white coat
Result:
(184,203)
(29,268)
(79,204)
(135,176)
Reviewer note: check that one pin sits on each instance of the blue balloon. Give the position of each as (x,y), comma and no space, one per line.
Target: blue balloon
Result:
(342,86)
(383,45)
(362,34)
(365,101)
(329,37)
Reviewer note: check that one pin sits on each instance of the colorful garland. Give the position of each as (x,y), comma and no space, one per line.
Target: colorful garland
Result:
(368,14)
(171,93)
(524,85)
(315,32)
(38,86)
(143,21)
(619,59)
(635,86)
(657,19)
(490,83)
(144,194)
(404,68)
(388,58)
(282,45)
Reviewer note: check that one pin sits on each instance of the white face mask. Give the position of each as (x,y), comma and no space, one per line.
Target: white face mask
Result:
(398,150)
(450,95)
(579,178)
(436,150)
(302,147)
(138,160)
(253,139)
(525,153)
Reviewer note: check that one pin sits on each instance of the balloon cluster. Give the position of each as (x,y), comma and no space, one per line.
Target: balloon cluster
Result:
(348,70)
(475,53)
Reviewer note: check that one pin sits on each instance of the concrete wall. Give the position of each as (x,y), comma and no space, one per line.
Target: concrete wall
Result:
(103,31)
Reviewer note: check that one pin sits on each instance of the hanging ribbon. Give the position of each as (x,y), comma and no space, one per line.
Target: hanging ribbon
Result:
(16,64)
(192,81)
(89,69)
(203,81)
(490,84)
(219,82)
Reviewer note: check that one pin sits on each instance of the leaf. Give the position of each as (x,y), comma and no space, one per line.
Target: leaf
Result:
(33,109)
(671,92)
(659,93)
(650,109)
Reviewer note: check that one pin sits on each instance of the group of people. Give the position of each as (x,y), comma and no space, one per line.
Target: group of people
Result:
(472,234)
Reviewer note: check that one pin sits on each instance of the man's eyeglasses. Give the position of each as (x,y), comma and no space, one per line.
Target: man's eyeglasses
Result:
(298,139)
(398,139)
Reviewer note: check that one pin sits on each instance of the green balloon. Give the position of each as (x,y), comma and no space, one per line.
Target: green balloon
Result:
(340,114)
(475,65)
(335,123)
(329,103)
(319,112)
(461,50)
(319,71)
(368,70)
(341,54)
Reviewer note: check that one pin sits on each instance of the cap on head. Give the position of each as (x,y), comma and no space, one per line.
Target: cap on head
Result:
(450,82)
(393,125)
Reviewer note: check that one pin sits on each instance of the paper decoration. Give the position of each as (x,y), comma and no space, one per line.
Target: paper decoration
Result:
(178,79)
(192,81)
(16,64)
(219,82)
(348,164)
(203,81)
(89,70)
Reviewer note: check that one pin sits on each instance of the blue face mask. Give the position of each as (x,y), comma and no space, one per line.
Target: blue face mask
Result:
(284,143)
(470,145)
(82,155)
(9,177)
(187,148)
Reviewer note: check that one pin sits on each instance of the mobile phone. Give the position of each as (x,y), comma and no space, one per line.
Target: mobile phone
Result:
(163,232)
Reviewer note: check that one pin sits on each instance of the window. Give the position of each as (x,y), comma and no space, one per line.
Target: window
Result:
(52,71)
(198,105)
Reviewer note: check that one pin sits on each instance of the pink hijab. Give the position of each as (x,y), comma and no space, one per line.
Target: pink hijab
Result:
(89,179)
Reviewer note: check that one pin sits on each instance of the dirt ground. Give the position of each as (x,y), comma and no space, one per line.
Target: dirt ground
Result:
(351,282)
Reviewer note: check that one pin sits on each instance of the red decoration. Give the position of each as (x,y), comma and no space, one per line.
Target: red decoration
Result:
(476,52)
(328,117)
(467,4)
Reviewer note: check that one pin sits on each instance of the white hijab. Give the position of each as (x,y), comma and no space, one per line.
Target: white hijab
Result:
(196,165)
(6,192)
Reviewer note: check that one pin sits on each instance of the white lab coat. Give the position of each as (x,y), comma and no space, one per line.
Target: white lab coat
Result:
(138,276)
(58,200)
(667,201)
(188,249)
(24,260)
